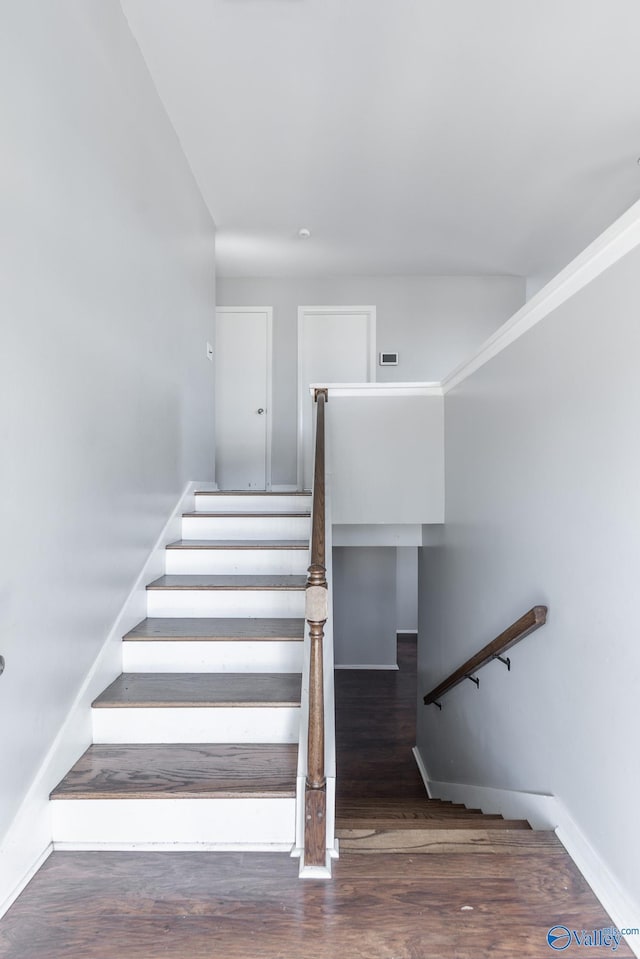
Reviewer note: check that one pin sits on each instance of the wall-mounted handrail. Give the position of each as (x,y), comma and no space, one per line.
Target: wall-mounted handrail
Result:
(316,612)
(532,620)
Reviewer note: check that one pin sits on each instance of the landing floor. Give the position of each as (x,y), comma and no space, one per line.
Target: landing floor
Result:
(240,906)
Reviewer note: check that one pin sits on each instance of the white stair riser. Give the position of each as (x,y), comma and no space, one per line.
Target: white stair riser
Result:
(251,562)
(205,724)
(225,602)
(254,503)
(233,821)
(245,527)
(266,656)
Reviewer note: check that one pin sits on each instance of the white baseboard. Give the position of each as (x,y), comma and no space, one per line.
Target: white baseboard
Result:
(422,769)
(284,488)
(546,812)
(28,841)
(620,906)
(411,631)
(366,666)
(18,869)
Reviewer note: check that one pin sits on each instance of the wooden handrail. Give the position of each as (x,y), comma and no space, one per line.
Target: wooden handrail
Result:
(536,617)
(316,612)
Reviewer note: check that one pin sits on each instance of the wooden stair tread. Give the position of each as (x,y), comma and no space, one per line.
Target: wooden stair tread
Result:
(301,544)
(350,824)
(259,514)
(415,819)
(219,629)
(182,772)
(201,689)
(412,819)
(496,841)
(203,581)
(414,822)
(404,810)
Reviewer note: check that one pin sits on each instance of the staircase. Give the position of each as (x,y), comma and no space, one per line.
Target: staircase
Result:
(381,804)
(431,826)
(195,744)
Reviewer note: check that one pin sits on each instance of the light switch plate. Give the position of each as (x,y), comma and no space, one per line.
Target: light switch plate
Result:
(209,352)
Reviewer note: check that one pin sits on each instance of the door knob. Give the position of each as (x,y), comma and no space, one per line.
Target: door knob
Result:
(260,410)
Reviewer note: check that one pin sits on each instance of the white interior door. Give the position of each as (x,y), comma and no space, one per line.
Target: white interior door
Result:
(336,344)
(243,397)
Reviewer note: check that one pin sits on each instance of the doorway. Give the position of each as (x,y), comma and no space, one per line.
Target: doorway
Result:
(243,397)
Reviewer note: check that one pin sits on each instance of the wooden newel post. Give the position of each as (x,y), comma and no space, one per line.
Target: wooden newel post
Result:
(316,612)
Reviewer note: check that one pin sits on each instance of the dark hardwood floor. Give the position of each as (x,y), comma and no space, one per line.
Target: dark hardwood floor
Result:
(112,905)
(376,731)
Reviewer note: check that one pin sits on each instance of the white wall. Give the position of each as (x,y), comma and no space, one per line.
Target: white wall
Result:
(364,606)
(432,321)
(543,506)
(387,456)
(407,588)
(106,302)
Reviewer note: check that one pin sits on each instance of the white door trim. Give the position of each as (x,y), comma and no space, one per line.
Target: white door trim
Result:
(304,311)
(269,425)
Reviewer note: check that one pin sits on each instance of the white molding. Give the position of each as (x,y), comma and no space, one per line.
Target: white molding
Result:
(422,769)
(367,666)
(619,239)
(409,631)
(359,390)
(284,487)
(268,310)
(621,907)
(372,360)
(28,839)
(25,879)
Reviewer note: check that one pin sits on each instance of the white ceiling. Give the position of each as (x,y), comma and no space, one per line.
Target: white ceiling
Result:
(410,136)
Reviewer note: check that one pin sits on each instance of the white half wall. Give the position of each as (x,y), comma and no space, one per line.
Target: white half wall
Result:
(107,302)
(543,506)
(387,455)
(433,322)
